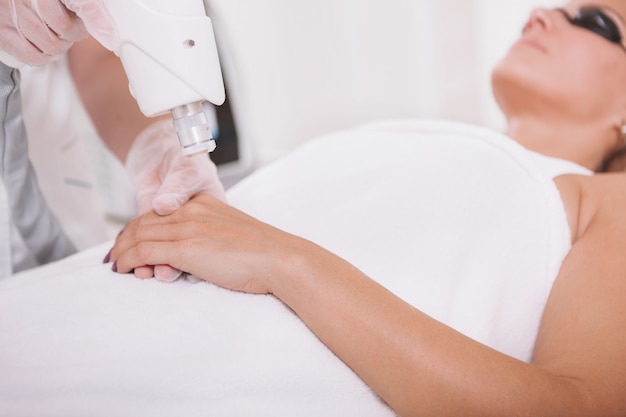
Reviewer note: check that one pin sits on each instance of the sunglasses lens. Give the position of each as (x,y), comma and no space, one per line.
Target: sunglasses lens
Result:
(597,21)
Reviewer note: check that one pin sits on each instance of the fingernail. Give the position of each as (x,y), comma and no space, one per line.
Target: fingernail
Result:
(107,258)
(114,267)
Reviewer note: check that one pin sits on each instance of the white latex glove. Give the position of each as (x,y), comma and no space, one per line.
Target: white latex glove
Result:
(96,19)
(35,31)
(165,179)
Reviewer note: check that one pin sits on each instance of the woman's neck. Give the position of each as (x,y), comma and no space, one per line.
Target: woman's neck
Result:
(584,144)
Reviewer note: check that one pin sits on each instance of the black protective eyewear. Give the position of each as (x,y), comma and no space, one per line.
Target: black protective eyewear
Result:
(597,21)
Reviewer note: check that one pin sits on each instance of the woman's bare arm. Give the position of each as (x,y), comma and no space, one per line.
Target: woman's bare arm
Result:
(582,336)
(421,367)
(416,364)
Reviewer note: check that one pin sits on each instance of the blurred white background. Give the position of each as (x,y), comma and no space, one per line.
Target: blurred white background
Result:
(296,69)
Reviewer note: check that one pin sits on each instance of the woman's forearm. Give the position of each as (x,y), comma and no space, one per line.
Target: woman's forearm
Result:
(416,364)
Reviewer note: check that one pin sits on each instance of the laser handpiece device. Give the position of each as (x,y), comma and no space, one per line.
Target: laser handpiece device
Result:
(170,56)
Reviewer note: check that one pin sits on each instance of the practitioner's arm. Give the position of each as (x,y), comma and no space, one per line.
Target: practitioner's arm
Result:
(103,87)
(416,364)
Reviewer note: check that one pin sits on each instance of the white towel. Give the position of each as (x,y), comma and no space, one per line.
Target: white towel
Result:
(459,221)
(79,340)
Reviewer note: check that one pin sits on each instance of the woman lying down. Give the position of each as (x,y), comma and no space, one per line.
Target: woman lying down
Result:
(403,268)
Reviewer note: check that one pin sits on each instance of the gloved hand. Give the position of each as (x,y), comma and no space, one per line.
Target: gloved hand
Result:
(96,19)
(36,31)
(165,179)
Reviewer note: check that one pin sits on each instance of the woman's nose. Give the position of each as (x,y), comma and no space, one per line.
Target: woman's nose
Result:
(539,18)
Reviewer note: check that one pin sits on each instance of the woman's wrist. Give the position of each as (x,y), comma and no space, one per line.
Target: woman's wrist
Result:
(301,271)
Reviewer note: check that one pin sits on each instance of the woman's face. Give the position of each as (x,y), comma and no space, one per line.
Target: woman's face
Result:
(564,70)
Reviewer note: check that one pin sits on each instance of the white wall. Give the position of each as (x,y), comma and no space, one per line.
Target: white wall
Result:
(296,69)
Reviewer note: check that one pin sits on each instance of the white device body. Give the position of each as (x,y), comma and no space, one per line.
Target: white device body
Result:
(169,54)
